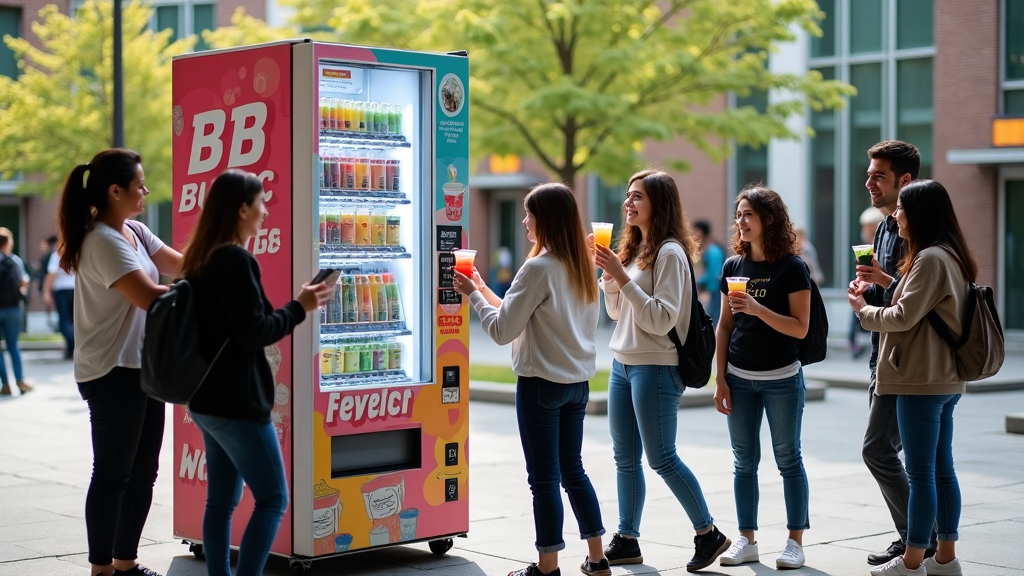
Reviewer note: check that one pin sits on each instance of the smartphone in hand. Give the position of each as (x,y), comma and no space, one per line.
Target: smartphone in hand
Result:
(329,275)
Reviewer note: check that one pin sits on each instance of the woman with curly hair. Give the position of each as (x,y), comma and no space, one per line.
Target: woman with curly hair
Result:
(758,367)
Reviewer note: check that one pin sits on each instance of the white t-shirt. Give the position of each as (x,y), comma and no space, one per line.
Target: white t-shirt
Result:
(108,328)
(62,280)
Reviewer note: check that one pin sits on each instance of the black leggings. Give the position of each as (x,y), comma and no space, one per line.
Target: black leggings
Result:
(127,431)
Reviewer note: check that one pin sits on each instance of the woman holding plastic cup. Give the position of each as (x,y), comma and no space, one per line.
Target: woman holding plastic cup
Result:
(648,291)
(550,314)
(758,367)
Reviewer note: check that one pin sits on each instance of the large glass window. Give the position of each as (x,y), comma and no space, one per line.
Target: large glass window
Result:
(1014,102)
(826,45)
(752,163)
(10,24)
(169,17)
(823,185)
(914,108)
(866,131)
(914,23)
(865,26)
(1014,29)
(1014,268)
(200,17)
(202,20)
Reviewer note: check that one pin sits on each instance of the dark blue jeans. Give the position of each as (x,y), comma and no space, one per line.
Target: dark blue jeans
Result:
(926,429)
(551,429)
(238,450)
(643,408)
(64,302)
(783,402)
(10,329)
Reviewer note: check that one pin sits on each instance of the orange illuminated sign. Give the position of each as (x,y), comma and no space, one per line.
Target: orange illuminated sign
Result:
(509,164)
(1008,132)
(340,74)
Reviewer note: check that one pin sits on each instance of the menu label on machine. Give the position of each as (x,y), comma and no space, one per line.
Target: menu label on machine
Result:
(449,238)
(450,385)
(451,454)
(451,489)
(445,266)
(341,79)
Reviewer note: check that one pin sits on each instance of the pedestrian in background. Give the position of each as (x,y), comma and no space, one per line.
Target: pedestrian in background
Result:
(59,292)
(921,372)
(117,262)
(232,409)
(647,289)
(13,291)
(712,257)
(550,311)
(759,372)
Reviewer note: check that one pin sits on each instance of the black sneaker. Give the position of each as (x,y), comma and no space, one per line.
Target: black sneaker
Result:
(532,570)
(600,568)
(623,550)
(895,549)
(707,548)
(137,570)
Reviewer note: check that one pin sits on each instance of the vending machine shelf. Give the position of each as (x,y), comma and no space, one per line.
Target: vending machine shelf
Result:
(330,253)
(341,196)
(361,378)
(333,332)
(363,139)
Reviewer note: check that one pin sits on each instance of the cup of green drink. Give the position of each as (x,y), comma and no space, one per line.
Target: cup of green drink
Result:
(864,253)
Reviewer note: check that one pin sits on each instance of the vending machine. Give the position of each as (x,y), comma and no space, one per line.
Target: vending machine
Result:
(363,153)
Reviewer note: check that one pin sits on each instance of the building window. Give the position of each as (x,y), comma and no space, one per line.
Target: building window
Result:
(10,24)
(884,48)
(184,19)
(826,44)
(1013,67)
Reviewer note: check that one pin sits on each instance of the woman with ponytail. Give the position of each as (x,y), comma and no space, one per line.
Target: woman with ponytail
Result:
(117,264)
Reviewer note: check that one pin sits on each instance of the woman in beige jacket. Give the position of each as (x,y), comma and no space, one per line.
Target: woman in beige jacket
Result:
(918,366)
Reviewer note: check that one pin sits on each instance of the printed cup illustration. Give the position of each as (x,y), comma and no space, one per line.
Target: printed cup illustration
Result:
(407,520)
(737,283)
(326,511)
(342,543)
(383,498)
(864,253)
(380,536)
(453,196)
(464,261)
(602,233)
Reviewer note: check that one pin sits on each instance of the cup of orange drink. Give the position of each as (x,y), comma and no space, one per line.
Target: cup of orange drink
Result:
(602,233)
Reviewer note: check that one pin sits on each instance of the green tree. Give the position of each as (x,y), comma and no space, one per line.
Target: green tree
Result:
(582,84)
(58,112)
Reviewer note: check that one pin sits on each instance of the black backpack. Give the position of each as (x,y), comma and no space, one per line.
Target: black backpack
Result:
(697,354)
(10,283)
(814,346)
(172,370)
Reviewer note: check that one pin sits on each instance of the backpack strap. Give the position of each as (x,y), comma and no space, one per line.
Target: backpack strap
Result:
(134,225)
(673,335)
(972,304)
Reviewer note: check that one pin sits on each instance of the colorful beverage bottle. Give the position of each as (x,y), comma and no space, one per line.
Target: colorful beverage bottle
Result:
(348,228)
(397,125)
(348,113)
(327,363)
(394,356)
(392,119)
(394,233)
(336,114)
(365,300)
(333,234)
(391,175)
(380,298)
(394,301)
(380,356)
(350,303)
(362,228)
(361,114)
(362,171)
(351,359)
(336,307)
(378,228)
(325,112)
(348,173)
(378,174)
(323,228)
(365,358)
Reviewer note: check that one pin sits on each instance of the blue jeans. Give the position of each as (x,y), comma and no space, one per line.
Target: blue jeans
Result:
(551,429)
(783,402)
(643,406)
(926,429)
(238,450)
(64,302)
(10,329)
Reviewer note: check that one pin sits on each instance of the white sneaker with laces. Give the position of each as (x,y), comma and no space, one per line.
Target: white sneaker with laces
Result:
(741,552)
(896,567)
(792,557)
(951,568)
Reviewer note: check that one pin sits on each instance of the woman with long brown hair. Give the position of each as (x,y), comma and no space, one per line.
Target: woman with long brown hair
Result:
(648,291)
(117,264)
(549,313)
(232,409)
(917,365)
(759,371)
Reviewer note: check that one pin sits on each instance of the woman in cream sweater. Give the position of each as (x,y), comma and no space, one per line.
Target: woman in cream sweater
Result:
(648,291)
(917,365)
(549,314)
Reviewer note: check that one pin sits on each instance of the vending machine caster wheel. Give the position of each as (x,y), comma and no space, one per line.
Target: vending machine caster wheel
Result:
(300,567)
(197,551)
(439,547)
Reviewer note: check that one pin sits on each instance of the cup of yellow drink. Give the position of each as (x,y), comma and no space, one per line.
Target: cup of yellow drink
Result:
(602,233)
(737,283)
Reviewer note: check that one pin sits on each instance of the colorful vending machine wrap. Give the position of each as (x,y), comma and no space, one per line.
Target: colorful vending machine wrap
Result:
(233,110)
(428,500)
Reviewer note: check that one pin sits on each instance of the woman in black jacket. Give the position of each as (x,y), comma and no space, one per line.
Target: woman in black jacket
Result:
(232,409)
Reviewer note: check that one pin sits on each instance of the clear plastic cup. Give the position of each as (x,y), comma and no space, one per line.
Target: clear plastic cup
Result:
(602,233)
(737,283)
(864,253)
(464,261)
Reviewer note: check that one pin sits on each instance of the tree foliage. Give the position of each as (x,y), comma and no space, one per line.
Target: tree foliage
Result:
(58,112)
(582,84)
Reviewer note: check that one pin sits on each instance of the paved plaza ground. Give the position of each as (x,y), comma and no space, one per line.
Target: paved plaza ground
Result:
(45,461)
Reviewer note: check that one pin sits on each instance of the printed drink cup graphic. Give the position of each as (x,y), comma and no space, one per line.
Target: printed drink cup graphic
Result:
(864,254)
(407,520)
(326,513)
(737,283)
(383,499)
(602,233)
(464,261)
(453,197)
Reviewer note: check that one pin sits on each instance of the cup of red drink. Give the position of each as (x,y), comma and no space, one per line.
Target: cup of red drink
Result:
(464,261)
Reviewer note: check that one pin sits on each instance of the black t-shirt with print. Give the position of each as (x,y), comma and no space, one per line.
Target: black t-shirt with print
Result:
(754,345)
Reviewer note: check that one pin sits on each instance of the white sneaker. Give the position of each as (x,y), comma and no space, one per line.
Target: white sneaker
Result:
(792,557)
(741,552)
(951,568)
(896,567)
